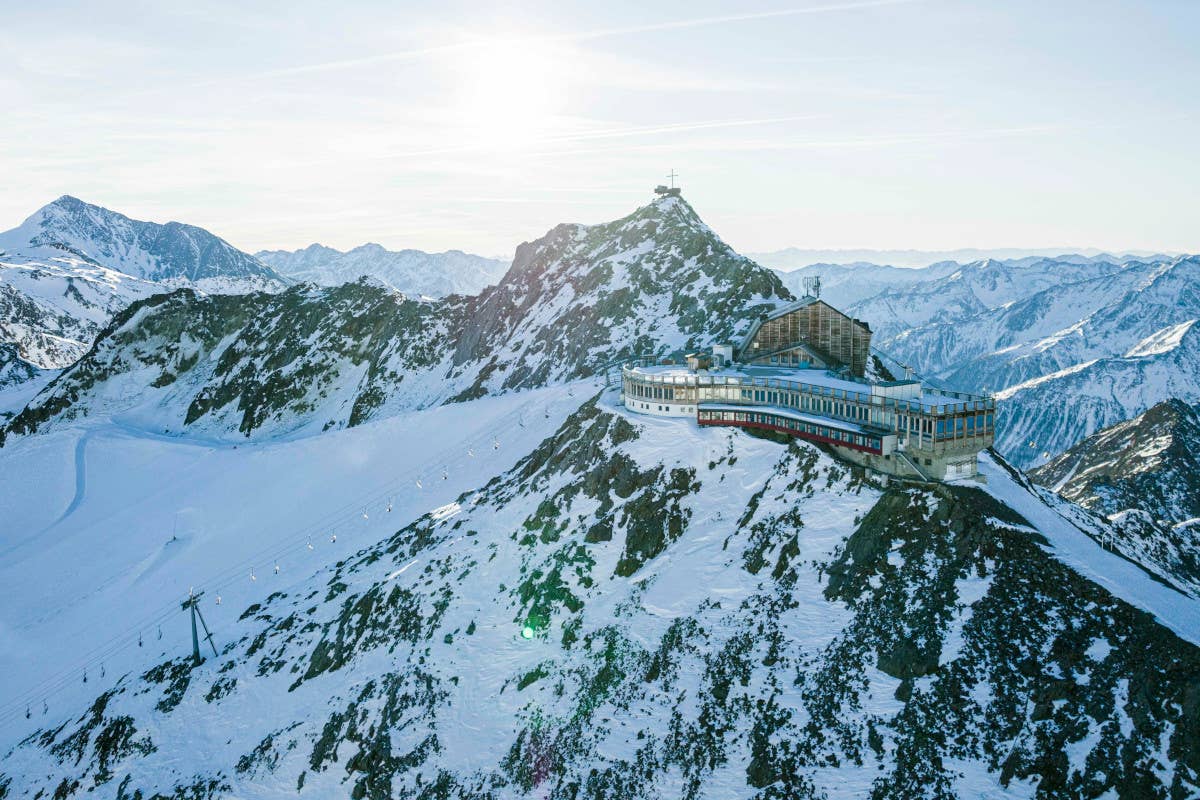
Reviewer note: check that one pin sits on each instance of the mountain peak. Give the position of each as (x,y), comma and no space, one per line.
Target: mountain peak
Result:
(149,250)
(71,201)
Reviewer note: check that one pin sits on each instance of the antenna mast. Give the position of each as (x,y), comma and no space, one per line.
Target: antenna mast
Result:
(812,286)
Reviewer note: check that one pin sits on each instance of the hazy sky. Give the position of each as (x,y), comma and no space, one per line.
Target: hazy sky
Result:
(926,124)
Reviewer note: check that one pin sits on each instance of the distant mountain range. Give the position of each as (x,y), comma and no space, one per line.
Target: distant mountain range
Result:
(312,358)
(499,583)
(1070,346)
(793,258)
(413,272)
(1052,336)
(71,266)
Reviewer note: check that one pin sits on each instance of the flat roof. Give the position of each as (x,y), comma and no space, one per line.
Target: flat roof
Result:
(811,376)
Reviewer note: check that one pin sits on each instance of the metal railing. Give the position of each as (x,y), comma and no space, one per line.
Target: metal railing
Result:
(971,402)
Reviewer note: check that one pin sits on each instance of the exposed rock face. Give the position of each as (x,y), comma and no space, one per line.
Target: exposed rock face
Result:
(145,250)
(71,266)
(1151,463)
(574,301)
(709,614)
(1144,474)
(1040,418)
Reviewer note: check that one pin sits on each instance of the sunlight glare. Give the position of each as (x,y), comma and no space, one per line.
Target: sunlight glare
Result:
(509,94)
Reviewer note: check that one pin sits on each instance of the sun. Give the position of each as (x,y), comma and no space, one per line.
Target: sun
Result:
(509,93)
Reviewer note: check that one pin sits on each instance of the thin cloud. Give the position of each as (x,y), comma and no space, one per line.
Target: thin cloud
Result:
(698,22)
(611,133)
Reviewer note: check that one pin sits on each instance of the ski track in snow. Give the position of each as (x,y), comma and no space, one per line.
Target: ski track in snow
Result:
(80,477)
(96,571)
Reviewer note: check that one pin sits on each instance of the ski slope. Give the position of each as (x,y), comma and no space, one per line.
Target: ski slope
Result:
(108,526)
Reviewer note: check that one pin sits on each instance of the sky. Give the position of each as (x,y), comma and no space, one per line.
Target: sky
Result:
(929,124)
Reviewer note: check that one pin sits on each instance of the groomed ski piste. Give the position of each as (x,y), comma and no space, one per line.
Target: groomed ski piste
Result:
(156,515)
(107,525)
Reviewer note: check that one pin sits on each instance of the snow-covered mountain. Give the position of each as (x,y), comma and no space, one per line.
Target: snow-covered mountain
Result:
(530,591)
(636,608)
(52,309)
(19,380)
(145,250)
(311,358)
(1057,328)
(1151,463)
(968,291)
(794,258)
(1144,475)
(1045,416)
(71,266)
(413,272)
(1071,345)
(844,285)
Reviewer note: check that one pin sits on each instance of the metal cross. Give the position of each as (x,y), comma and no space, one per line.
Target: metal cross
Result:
(672,176)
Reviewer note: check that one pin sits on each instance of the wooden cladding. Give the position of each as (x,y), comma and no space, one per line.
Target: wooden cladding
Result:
(830,334)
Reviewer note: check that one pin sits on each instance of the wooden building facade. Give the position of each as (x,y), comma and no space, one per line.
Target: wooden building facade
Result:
(809,333)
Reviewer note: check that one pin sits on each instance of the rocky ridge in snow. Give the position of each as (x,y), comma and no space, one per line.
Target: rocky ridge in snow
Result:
(412,272)
(71,266)
(1144,475)
(1045,416)
(1151,462)
(312,358)
(641,608)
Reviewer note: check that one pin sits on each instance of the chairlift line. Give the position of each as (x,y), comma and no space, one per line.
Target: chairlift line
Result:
(127,639)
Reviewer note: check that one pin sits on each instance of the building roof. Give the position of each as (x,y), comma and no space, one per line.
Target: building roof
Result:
(930,397)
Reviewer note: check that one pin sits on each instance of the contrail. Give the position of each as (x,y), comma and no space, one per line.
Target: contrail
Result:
(470,44)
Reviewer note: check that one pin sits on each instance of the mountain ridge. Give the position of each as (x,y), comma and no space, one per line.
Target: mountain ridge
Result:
(795,632)
(70,266)
(573,301)
(410,271)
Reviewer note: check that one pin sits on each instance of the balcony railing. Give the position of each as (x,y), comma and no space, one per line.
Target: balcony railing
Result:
(971,402)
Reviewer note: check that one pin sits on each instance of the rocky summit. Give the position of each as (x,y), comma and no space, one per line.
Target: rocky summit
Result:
(430,551)
(573,303)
